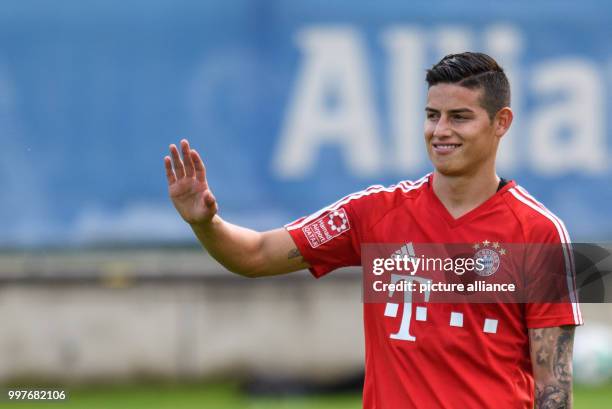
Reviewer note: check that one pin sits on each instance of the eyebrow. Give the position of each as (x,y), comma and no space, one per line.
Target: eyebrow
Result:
(451,111)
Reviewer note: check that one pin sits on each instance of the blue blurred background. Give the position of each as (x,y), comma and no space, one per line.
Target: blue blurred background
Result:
(292,105)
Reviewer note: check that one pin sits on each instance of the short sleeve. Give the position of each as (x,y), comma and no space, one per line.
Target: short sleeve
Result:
(328,239)
(551,279)
(331,238)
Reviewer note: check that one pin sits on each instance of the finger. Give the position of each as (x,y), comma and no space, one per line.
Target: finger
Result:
(169,172)
(189,169)
(179,169)
(200,169)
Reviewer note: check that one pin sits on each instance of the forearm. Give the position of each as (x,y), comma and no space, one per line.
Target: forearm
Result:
(247,252)
(237,248)
(551,351)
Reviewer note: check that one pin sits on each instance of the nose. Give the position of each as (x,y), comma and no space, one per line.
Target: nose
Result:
(442,128)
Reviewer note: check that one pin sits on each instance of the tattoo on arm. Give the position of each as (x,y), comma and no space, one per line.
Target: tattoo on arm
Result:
(293,253)
(551,397)
(552,363)
(562,364)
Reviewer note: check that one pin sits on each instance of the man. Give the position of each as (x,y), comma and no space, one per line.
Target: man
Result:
(454,355)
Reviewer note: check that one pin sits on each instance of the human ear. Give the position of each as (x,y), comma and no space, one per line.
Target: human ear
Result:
(503,120)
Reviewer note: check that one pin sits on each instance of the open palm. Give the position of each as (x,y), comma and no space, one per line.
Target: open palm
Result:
(187,185)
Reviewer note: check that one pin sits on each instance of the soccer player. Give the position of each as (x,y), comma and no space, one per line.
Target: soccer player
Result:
(496,355)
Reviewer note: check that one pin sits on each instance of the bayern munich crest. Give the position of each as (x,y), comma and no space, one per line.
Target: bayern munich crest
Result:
(490,255)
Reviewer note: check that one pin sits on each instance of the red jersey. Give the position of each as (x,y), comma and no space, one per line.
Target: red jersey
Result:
(445,355)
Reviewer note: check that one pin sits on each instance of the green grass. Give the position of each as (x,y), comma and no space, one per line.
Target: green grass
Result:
(228,396)
(593,397)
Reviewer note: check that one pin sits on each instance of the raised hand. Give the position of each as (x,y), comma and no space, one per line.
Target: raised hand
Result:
(187,185)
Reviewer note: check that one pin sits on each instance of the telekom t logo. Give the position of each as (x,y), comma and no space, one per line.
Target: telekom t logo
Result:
(391,308)
(421,312)
(490,325)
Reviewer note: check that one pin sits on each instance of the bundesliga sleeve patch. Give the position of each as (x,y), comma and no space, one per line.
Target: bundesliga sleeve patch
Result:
(326,227)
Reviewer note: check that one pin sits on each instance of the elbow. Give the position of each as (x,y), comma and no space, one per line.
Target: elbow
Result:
(244,273)
(251,263)
(250,270)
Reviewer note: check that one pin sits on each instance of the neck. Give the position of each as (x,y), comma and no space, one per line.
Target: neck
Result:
(461,194)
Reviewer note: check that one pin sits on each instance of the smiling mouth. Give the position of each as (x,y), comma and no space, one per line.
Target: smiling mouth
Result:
(445,147)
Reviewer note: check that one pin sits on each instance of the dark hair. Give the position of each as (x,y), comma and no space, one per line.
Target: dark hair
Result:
(474,70)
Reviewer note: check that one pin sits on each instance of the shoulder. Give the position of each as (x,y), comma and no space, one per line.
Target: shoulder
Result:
(385,197)
(366,206)
(538,223)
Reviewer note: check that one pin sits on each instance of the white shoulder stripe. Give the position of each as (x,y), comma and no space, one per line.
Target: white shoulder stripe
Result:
(405,186)
(559,221)
(566,238)
(566,246)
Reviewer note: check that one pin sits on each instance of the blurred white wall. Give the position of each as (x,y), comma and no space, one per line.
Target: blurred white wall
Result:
(105,325)
(209,324)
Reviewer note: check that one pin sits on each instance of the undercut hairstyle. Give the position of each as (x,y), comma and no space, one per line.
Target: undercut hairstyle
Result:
(474,71)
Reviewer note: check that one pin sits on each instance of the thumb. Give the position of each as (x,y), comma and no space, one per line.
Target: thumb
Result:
(209,198)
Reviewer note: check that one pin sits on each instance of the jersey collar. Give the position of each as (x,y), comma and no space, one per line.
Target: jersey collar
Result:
(440,209)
